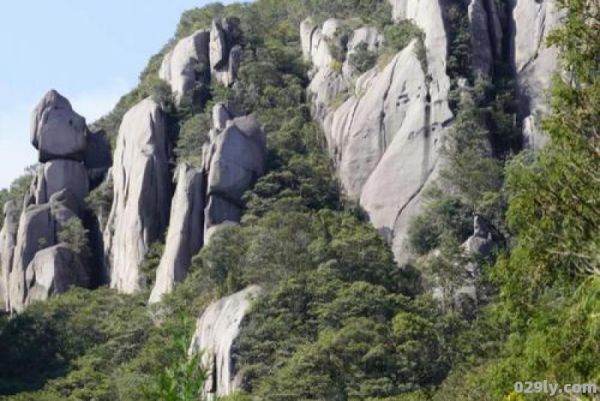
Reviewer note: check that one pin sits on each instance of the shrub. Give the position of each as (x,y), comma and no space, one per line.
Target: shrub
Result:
(192,136)
(75,236)
(362,58)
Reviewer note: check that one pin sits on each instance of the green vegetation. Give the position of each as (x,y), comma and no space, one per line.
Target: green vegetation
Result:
(363,59)
(75,236)
(17,191)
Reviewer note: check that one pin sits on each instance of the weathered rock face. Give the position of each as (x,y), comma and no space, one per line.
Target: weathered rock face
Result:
(216,331)
(8,239)
(234,160)
(56,130)
(535,63)
(385,138)
(39,227)
(53,271)
(185,234)
(182,66)
(142,193)
(200,57)
(98,158)
(60,174)
(486,35)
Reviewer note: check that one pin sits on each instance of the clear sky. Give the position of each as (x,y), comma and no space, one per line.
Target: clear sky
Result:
(91,51)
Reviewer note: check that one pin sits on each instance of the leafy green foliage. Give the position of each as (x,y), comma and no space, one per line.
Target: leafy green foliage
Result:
(363,59)
(74,234)
(17,191)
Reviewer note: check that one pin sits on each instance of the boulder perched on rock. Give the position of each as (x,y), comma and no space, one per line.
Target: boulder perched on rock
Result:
(53,271)
(216,331)
(60,174)
(225,55)
(8,239)
(185,234)
(142,193)
(183,65)
(56,130)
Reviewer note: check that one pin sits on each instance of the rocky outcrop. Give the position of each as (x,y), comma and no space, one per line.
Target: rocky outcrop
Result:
(185,234)
(210,197)
(216,332)
(225,55)
(200,57)
(486,35)
(385,138)
(8,238)
(56,196)
(56,130)
(233,161)
(39,228)
(183,67)
(142,193)
(55,270)
(535,62)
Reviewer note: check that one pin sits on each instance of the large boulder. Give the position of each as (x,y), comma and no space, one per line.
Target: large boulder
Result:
(235,159)
(216,331)
(8,239)
(57,175)
(56,130)
(39,228)
(55,270)
(185,234)
(182,65)
(36,232)
(142,193)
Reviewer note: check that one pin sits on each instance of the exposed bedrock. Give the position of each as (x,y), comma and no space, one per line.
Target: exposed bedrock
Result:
(204,55)
(186,230)
(385,137)
(216,331)
(8,240)
(141,194)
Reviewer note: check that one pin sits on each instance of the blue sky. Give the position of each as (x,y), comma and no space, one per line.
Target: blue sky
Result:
(91,51)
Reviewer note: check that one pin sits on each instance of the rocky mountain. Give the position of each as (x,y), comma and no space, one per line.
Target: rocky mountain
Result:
(327,189)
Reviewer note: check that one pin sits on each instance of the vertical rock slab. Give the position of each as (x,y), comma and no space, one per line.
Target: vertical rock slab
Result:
(142,193)
(185,234)
(56,130)
(535,62)
(181,66)
(216,331)
(8,240)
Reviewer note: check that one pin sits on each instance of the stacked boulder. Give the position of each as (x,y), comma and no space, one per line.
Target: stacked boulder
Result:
(210,196)
(200,57)
(35,263)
